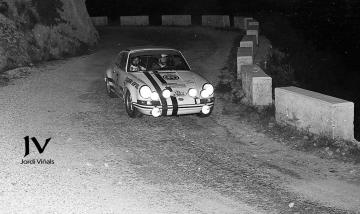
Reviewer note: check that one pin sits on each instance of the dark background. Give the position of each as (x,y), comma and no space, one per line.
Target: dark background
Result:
(322,46)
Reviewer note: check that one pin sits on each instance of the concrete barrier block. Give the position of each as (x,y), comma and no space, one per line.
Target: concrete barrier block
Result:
(247,44)
(244,57)
(99,20)
(257,85)
(249,38)
(252,22)
(215,20)
(134,20)
(315,112)
(241,22)
(176,20)
(253,27)
(254,33)
(246,19)
(248,41)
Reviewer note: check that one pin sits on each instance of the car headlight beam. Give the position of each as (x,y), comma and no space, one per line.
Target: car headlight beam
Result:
(192,92)
(154,96)
(145,92)
(209,88)
(166,93)
(205,109)
(155,112)
(205,93)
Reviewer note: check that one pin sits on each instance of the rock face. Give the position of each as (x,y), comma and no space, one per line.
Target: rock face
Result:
(36,30)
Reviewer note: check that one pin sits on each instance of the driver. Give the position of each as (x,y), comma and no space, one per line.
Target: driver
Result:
(162,62)
(135,65)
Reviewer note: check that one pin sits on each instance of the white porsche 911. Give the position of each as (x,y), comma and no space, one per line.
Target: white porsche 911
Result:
(157,81)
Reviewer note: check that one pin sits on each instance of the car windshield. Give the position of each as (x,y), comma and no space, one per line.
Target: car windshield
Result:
(147,61)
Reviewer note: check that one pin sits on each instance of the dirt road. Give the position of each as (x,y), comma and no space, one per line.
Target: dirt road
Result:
(105,162)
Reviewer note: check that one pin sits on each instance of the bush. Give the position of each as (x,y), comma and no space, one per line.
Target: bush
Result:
(49,11)
(280,69)
(27,17)
(4,7)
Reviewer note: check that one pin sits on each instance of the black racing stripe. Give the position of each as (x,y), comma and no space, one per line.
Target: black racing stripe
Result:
(175,105)
(174,102)
(160,77)
(158,90)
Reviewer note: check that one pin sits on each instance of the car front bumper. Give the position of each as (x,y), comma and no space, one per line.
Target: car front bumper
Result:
(171,110)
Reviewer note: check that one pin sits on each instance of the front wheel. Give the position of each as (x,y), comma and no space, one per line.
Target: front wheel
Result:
(130,109)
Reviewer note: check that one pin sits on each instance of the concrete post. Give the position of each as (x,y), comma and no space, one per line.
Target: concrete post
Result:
(244,57)
(257,85)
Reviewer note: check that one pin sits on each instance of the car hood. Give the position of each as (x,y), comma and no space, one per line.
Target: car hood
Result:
(181,80)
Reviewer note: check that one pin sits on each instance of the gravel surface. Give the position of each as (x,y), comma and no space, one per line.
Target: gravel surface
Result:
(106,162)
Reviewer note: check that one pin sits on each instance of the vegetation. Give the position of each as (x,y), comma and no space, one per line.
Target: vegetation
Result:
(278,66)
(49,11)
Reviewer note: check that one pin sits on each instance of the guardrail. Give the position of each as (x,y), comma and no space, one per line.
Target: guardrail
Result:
(256,85)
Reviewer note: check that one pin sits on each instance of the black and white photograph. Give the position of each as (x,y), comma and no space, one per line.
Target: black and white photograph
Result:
(188,107)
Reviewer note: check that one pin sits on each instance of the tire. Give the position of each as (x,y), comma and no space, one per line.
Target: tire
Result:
(108,89)
(130,109)
(206,115)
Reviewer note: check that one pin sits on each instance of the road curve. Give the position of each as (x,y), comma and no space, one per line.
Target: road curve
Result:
(106,162)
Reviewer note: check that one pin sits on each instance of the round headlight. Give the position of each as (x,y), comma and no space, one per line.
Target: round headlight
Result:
(155,112)
(205,109)
(204,93)
(145,92)
(154,96)
(209,88)
(166,93)
(192,92)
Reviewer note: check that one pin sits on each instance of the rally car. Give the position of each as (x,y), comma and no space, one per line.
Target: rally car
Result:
(158,81)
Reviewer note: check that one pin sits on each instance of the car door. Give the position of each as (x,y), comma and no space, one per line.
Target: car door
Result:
(120,69)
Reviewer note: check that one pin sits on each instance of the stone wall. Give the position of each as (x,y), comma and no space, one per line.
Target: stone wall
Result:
(36,30)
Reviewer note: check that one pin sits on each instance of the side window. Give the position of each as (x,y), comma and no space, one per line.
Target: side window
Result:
(120,60)
(124,56)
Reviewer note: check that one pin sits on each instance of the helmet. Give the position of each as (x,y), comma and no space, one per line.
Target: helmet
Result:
(135,60)
(163,58)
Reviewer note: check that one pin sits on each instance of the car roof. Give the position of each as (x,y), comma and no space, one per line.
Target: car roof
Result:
(148,47)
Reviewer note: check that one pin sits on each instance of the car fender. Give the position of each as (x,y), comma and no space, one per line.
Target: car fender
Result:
(109,74)
(133,91)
